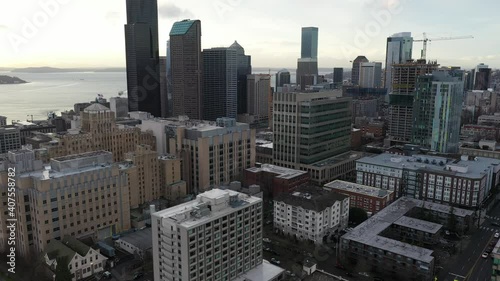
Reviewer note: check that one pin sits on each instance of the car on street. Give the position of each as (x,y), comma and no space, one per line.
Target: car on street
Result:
(275,261)
(484,255)
(267,240)
(489,250)
(497,235)
(495,223)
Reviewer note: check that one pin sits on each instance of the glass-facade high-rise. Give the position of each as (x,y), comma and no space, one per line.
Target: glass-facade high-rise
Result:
(244,68)
(399,50)
(309,47)
(142,56)
(220,69)
(356,63)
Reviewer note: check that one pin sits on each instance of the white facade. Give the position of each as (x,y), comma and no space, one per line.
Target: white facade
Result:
(217,236)
(258,91)
(309,224)
(82,266)
(370,74)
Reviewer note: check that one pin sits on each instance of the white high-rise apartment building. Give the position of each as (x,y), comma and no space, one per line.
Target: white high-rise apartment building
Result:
(217,236)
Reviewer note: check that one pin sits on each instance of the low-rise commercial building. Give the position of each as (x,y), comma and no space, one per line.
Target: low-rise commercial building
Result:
(274,180)
(311,213)
(139,242)
(10,139)
(370,199)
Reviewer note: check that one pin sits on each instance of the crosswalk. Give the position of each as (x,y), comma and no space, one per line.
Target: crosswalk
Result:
(492,218)
(489,228)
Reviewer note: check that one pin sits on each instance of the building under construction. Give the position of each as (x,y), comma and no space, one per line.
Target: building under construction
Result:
(404,79)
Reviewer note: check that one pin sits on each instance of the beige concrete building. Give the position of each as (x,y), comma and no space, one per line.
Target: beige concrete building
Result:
(258,91)
(97,131)
(78,195)
(174,188)
(212,153)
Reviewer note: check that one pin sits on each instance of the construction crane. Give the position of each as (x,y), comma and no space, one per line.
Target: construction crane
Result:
(425,40)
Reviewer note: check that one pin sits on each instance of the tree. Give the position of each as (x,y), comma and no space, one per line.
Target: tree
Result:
(357,215)
(62,271)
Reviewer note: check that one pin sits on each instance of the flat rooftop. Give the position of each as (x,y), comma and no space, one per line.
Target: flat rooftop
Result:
(368,232)
(82,155)
(219,201)
(337,159)
(263,272)
(142,239)
(281,172)
(358,188)
(310,198)
(417,224)
(473,168)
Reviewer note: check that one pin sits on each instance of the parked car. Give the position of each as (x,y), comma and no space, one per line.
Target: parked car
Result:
(484,255)
(138,275)
(275,261)
(495,223)
(497,235)
(267,240)
(106,275)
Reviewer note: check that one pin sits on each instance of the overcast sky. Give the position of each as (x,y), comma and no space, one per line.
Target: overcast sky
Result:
(81,33)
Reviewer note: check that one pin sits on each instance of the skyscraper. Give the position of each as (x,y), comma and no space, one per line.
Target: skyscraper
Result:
(259,88)
(370,74)
(338,76)
(220,71)
(244,68)
(404,80)
(482,75)
(399,50)
(142,56)
(436,112)
(307,64)
(282,78)
(169,80)
(355,69)
(163,87)
(309,47)
(186,68)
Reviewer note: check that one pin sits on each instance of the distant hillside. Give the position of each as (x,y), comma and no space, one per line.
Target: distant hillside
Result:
(46,69)
(4,79)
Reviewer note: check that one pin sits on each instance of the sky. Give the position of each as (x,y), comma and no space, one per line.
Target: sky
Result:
(90,33)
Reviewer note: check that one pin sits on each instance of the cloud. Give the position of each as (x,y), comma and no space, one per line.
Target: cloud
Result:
(170,11)
(113,17)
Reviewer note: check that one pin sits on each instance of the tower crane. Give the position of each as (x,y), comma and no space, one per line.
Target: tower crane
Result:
(425,40)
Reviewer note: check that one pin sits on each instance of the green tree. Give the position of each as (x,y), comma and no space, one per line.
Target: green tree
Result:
(62,271)
(357,215)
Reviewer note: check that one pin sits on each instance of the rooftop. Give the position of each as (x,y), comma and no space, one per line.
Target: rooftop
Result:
(311,198)
(338,158)
(418,224)
(466,167)
(142,239)
(358,188)
(96,107)
(206,207)
(281,172)
(81,155)
(181,27)
(263,272)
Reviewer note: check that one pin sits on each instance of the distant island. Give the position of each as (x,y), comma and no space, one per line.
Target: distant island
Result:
(4,79)
(46,69)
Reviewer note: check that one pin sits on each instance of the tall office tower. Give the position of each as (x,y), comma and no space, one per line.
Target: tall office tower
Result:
(309,47)
(355,69)
(398,50)
(436,112)
(370,74)
(169,80)
(220,83)
(163,86)
(338,76)
(404,80)
(482,75)
(187,68)
(244,68)
(119,106)
(470,79)
(307,64)
(300,138)
(3,121)
(282,78)
(259,89)
(142,55)
(225,228)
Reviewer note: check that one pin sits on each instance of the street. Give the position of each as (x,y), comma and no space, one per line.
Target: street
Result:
(469,265)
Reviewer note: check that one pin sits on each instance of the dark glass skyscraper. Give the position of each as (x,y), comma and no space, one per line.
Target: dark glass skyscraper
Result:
(244,68)
(338,76)
(142,56)
(309,43)
(219,83)
(186,68)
